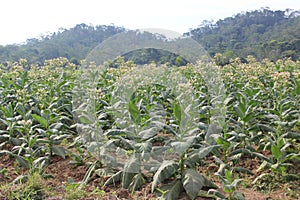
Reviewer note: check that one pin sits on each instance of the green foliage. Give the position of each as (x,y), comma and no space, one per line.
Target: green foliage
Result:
(151,125)
(157,56)
(261,33)
(166,169)
(73,43)
(34,188)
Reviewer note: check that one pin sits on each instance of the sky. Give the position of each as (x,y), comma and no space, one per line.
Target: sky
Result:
(24,19)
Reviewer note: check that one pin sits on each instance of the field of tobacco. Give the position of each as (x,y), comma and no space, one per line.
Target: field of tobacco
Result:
(152,132)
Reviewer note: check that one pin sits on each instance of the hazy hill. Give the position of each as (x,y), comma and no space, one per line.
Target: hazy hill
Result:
(74,43)
(262,33)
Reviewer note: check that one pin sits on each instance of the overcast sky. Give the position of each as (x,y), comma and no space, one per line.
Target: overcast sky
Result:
(23,19)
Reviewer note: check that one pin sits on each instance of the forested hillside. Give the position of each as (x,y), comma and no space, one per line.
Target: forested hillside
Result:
(261,33)
(74,44)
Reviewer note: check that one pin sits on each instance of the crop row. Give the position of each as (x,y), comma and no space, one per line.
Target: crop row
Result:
(159,125)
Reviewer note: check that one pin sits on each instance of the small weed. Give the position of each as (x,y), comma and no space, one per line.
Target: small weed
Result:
(34,188)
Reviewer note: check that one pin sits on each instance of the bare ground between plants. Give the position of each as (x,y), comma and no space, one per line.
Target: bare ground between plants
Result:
(61,170)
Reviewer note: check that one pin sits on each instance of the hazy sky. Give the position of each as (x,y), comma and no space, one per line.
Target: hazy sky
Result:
(23,19)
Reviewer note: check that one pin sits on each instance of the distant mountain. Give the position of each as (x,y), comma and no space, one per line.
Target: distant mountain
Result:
(261,33)
(74,44)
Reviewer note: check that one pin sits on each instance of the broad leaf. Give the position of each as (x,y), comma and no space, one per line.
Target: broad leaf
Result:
(134,112)
(216,194)
(116,178)
(262,177)
(276,151)
(131,168)
(173,190)
(60,151)
(236,183)
(240,110)
(248,117)
(192,182)
(177,112)
(137,181)
(261,156)
(196,156)
(206,150)
(240,151)
(166,170)
(180,147)
(41,120)
(114,132)
(24,163)
(208,183)
(86,118)
(242,170)
(223,142)
(148,133)
(5,152)
(293,135)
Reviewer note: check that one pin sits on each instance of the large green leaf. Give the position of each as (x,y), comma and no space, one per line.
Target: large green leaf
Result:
(216,194)
(293,135)
(166,170)
(265,128)
(242,170)
(114,132)
(5,152)
(137,181)
(248,117)
(180,147)
(131,168)
(206,150)
(192,182)
(134,112)
(261,156)
(276,151)
(240,110)
(127,179)
(88,175)
(197,155)
(208,183)
(177,111)
(172,189)
(240,151)
(148,133)
(116,178)
(223,142)
(60,151)
(262,177)
(41,120)
(23,162)
(297,87)
(85,118)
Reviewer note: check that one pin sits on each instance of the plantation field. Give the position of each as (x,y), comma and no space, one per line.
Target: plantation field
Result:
(192,132)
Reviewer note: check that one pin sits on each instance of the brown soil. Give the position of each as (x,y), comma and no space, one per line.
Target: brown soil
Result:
(61,169)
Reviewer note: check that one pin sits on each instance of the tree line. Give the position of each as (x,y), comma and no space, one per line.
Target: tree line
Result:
(261,33)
